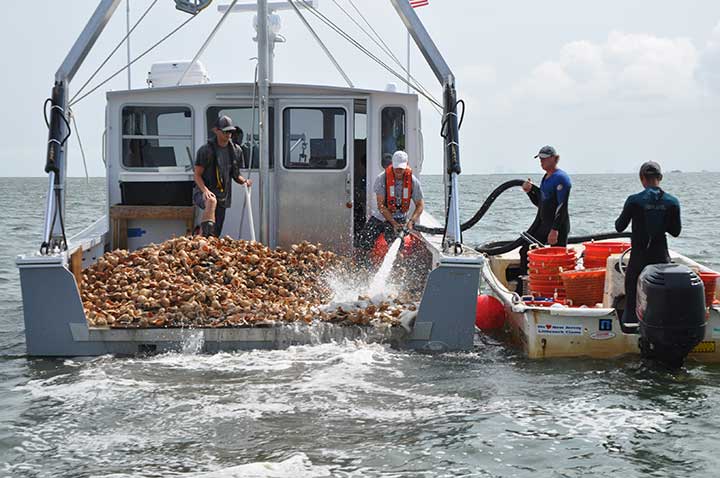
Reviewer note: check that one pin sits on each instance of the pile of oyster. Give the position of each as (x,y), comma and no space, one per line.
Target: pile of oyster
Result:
(213,282)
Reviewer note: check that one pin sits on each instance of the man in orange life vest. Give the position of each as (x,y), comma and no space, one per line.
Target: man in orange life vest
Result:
(395,188)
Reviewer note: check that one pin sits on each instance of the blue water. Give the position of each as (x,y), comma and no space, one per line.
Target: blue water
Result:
(355,409)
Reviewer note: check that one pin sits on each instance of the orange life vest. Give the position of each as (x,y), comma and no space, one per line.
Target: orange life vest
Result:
(390,199)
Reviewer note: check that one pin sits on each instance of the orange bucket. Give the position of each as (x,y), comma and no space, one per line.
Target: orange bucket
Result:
(585,287)
(596,253)
(551,255)
(544,266)
(709,279)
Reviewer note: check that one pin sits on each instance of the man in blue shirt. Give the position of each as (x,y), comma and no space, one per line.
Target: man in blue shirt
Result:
(653,212)
(551,198)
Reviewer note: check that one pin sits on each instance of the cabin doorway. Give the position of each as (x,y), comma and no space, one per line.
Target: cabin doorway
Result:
(360,177)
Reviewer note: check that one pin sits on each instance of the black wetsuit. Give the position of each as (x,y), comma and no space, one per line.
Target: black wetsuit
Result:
(551,198)
(653,212)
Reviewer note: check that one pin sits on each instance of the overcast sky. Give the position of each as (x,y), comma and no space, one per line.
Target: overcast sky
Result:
(611,84)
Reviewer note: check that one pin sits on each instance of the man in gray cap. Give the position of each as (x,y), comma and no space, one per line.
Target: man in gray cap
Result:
(216,163)
(653,212)
(552,224)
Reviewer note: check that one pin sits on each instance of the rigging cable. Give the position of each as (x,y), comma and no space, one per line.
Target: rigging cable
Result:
(127,35)
(207,41)
(74,102)
(322,45)
(381,43)
(364,50)
(82,150)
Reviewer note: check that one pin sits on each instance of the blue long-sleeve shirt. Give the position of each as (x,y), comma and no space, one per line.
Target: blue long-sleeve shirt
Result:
(552,199)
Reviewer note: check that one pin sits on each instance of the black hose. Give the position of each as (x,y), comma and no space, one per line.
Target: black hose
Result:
(480,212)
(501,247)
(598,237)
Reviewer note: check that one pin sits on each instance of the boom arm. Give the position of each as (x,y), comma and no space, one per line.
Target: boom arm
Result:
(453,238)
(56,164)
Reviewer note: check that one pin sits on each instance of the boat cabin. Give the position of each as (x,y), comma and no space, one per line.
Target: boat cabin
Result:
(327,144)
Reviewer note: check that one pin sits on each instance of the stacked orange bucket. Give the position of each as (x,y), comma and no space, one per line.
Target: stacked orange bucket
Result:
(596,253)
(544,268)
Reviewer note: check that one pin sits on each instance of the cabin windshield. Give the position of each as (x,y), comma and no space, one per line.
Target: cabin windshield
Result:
(157,136)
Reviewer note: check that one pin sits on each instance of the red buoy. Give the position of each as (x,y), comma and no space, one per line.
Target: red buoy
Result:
(489,313)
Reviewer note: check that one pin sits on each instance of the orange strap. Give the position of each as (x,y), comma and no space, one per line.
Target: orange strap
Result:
(390,199)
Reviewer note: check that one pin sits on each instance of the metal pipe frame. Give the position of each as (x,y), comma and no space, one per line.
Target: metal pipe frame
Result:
(263,97)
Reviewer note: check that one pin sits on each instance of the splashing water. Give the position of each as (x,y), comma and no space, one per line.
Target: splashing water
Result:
(193,342)
(379,282)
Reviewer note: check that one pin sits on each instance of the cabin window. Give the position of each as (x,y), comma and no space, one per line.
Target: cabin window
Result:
(157,136)
(242,117)
(392,121)
(314,138)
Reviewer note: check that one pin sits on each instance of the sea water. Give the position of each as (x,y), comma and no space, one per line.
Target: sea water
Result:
(353,409)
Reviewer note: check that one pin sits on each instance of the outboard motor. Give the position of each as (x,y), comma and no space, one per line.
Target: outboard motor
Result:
(671,312)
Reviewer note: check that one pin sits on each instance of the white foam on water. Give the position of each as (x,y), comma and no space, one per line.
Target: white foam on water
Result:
(296,466)
(154,403)
(379,283)
(584,417)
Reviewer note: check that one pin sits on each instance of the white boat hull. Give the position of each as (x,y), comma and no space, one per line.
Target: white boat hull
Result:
(573,332)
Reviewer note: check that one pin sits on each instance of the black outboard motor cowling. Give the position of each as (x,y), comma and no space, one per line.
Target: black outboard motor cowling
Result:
(671,312)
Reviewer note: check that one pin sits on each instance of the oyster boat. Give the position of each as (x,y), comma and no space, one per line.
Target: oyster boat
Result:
(553,329)
(312,152)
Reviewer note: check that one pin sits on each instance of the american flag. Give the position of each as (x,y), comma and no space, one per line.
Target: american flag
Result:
(419,3)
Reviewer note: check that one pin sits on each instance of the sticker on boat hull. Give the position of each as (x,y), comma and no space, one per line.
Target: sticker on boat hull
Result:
(559,329)
(602,335)
(704,347)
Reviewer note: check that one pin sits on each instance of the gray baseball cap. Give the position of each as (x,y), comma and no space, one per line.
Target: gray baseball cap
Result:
(651,169)
(225,123)
(546,152)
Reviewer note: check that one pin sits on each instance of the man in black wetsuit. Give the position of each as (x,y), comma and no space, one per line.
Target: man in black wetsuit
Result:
(653,212)
(552,225)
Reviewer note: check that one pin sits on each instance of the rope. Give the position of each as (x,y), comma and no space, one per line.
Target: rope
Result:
(74,102)
(114,50)
(364,50)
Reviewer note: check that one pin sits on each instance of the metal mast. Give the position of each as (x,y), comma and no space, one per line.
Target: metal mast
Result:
(263,95)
